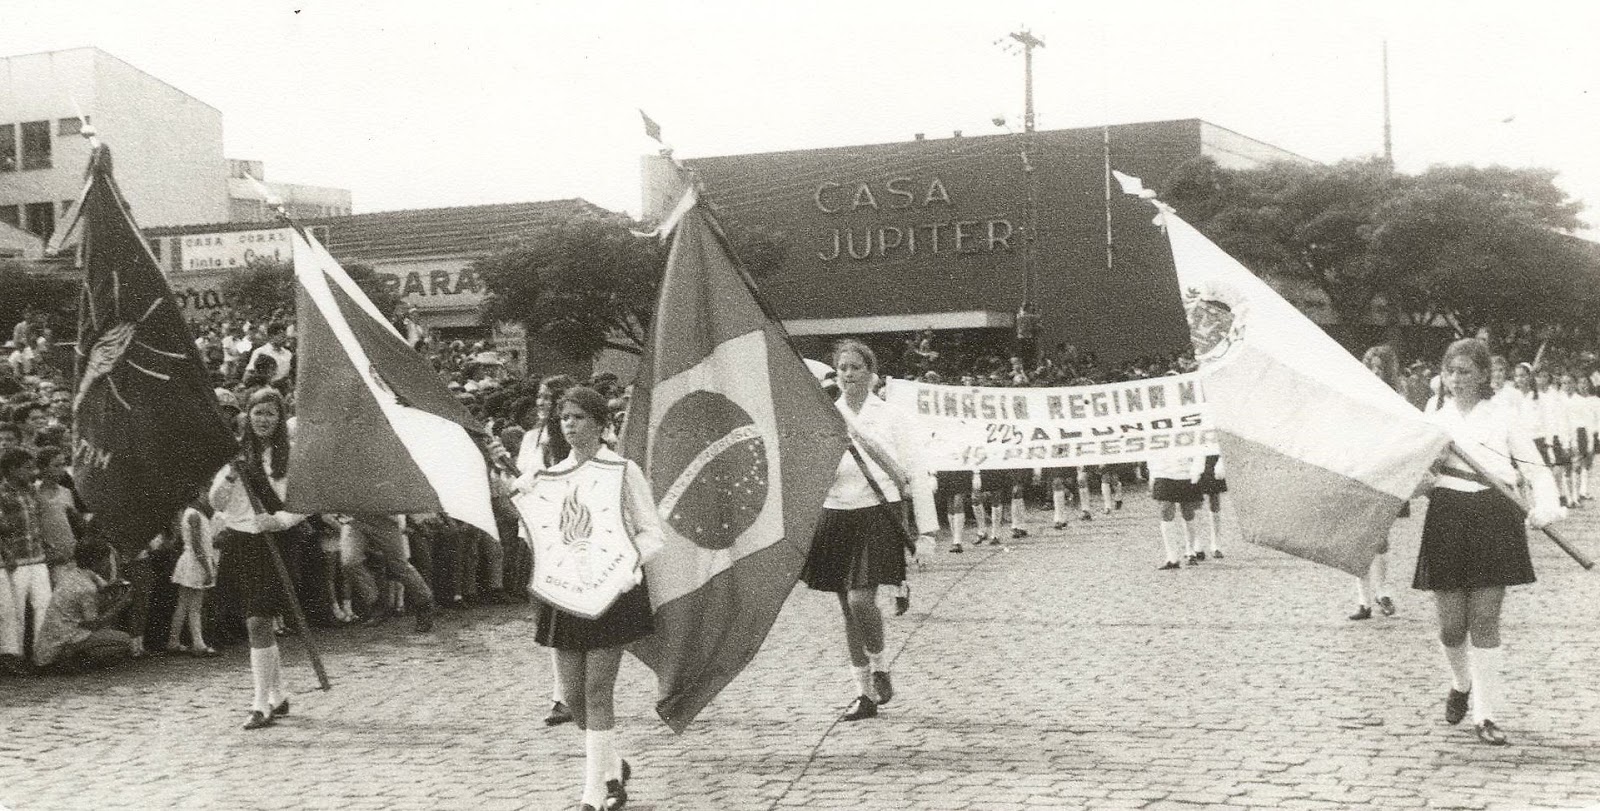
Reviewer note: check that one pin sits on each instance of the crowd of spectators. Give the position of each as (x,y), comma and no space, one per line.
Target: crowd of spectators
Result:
(119,607)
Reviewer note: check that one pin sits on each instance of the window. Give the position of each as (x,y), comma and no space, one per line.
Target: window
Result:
(72,126)
(42,219)
(36,145)
(8,147)
(11,215)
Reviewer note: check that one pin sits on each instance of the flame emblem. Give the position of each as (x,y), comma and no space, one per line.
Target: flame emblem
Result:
(576,524)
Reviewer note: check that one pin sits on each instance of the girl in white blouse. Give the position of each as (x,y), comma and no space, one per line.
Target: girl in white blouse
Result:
(1474,543)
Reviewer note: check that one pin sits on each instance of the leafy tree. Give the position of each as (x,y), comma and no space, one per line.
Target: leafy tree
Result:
(588,285)
(22,289)
(265,290)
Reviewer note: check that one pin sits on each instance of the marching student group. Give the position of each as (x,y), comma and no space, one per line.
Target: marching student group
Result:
(1533,430)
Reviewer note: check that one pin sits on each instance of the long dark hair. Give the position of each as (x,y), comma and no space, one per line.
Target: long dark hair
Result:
(1476,352)
(556,446)
(279,441)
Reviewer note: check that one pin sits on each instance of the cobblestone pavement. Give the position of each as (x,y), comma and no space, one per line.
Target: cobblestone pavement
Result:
(1058,671)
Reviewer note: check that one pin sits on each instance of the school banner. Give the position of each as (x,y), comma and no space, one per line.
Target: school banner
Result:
(970,427)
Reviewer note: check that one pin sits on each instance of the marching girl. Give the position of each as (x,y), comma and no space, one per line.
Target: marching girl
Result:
(1576,407)
(1170,486)
(1588,406)
(1474,543)
(542,447)
(1554,426)
(1373,588)
(589,652)
(246,567)
(857,547)
(1210,479)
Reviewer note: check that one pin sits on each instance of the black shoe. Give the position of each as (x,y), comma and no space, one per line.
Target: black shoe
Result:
(1083,515)
(1169,565)
(281,710)
(627,771)
(1386,605)
(882,685)
(1201,556)
(1119,503)
(1217,555)
(1455,706)
(902,601)
(616,796)
(955,548)
(1192,560)
(995,541)
(1362,613)
(1490,734)
(1060,525)
(862,707)
(559,714)
(258,719)
(1016,532)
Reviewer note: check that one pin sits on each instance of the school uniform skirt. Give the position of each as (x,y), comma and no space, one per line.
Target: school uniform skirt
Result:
(627,620)
(1471,540)
(855,549)
(246,572)
(1176,491)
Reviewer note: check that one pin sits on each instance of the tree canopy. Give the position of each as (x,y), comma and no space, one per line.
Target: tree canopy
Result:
(1473,245)
(587,285)
(265,290)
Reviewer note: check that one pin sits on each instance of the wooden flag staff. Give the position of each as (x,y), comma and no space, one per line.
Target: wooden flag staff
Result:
(299,616)
(1505,490)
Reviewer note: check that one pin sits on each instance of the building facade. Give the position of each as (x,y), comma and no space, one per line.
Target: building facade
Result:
(167,144)
(965,233)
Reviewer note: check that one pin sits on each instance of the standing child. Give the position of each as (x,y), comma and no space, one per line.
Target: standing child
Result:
(195,574)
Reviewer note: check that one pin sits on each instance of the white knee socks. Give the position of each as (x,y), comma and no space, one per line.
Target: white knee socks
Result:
(1378,575)
(1484,664)
(1460,673)
(1172,540)
(1058,506)
(264,676)
(980,519)
(594,768)
(557,692)
(958,528)
(863,677)
(1017,508)
(1214,518)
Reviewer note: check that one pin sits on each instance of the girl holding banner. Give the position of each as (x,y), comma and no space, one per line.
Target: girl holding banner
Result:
(1474,543)
(859,545)
(584,533)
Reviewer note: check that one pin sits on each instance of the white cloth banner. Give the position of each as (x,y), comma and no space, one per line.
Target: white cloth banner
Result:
(977,428)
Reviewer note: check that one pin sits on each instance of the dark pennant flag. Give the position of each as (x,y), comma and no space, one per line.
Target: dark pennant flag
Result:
(147,431)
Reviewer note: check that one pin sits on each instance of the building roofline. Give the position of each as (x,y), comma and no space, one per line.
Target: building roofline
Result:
(103,52)
(260,225)
(1258,140)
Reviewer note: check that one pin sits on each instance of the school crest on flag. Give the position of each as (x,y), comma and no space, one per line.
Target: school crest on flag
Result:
(583,559)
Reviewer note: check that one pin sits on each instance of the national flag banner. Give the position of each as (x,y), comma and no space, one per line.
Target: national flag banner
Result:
(651,128)
(1321,453)
(147,431)
(377,431)
(740,446)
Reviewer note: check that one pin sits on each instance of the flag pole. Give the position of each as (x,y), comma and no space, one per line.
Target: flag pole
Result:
(1505,490)
(299,616)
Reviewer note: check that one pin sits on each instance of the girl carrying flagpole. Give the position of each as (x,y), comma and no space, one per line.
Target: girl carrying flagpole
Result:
(1474,543)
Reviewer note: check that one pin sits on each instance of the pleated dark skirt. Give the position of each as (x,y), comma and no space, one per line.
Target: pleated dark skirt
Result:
(1471,540)
(1176,491)
(855,549)
(246,571)
(628,619)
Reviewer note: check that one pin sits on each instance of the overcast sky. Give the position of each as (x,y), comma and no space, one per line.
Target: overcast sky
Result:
(412,104)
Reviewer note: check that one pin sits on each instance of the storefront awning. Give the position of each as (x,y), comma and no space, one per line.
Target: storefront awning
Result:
(858,325)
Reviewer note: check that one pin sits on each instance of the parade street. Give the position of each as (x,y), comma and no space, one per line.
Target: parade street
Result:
(1058,671)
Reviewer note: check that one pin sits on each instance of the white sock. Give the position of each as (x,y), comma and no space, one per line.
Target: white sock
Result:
(1190,545)
(1378,575)
(1583,483)
(259,677)
(958,527)
(997,516)
(1460,673)
(1199,529)
(1214,518)
(980,519)
(875,662)
(1364,589)
(274,660)
(1018,507)
(594,771)
(1105,491)
(1171,538)
(610,760)
(557,692)
(863,680)
(1485,664)
(1058,506)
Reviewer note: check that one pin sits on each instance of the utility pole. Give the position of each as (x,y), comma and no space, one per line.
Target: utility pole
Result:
(1388,141)
(1029,42)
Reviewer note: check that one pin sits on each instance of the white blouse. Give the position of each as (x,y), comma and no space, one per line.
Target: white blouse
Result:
(233,510)
(1494,435)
